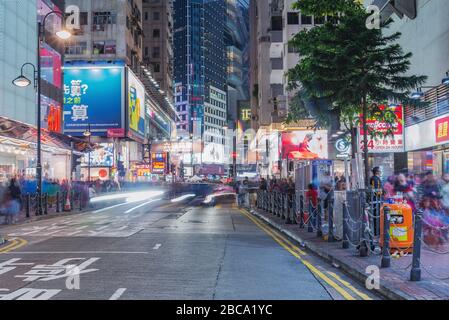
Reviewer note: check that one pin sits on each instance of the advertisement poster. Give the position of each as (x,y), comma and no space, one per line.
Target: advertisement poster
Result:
(304,145)
(136,104)
(159,163)
(93,96)
(394,143)
(102,157)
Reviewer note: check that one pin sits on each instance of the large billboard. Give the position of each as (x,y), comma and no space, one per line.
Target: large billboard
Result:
(93,96)
(304,145)
(136,105)
(387,144)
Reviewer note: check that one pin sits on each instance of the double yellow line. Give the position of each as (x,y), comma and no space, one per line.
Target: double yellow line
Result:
(298,253)
(13,244)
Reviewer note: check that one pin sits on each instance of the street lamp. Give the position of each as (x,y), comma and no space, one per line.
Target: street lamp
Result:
(88,134)
(23,82)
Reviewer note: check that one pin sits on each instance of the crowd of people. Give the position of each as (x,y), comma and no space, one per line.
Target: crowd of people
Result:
(13,191)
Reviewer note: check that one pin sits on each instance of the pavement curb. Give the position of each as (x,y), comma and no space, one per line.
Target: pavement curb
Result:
(386,291)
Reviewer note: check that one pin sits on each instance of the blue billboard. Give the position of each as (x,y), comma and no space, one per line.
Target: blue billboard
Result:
(94,97)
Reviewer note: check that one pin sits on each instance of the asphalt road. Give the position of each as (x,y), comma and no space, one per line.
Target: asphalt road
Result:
(163,250)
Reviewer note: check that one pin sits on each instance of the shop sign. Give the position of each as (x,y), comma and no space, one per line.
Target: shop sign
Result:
(441,130)
(143,170)
(391,143)
(159,163)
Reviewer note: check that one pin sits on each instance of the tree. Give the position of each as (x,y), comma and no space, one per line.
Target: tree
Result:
(350,67)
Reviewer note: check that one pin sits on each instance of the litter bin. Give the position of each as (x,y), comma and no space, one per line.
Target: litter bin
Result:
(401,227)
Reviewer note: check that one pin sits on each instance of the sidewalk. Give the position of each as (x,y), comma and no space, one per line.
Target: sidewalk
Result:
(394,281)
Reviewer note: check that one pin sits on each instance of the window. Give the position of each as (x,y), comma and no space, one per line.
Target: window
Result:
(146,51)
(293,18)
(156,67)
(306,19)
(156,33)
(156,15)
(104,47)
(146,15)
(84,18)
(292,49)
(156,52)
(103,18)
(78,48)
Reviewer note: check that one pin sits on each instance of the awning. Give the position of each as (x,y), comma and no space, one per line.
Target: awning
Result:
(19,133)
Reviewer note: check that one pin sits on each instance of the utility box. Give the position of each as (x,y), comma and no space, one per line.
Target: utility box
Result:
(401,227)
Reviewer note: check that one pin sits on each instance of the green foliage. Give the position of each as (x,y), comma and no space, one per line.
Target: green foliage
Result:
(347,64)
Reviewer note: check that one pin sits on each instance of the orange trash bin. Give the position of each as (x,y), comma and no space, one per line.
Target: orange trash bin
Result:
(401,227)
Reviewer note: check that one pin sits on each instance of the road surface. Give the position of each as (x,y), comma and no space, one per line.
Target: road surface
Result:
(156,249)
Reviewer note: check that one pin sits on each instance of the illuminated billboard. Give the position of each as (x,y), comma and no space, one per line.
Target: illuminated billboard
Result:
(93,97)
(136,105)
(159,163)
(304,145)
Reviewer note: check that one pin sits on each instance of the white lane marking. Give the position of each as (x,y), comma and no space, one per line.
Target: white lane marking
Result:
(109,208)
(117,294)
(140,206)
(157,246)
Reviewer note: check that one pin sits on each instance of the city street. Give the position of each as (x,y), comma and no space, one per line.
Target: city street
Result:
(164,250)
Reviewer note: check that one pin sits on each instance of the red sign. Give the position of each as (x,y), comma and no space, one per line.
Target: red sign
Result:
(116,133)
(441,129)
(390,143)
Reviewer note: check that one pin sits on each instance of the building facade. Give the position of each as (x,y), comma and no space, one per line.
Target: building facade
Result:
(158,42)
(200,75)
(110,91)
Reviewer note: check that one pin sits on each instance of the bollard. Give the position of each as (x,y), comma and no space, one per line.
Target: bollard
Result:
(293,209)
(415,273)
(330,209)
(284,201)
(27,205)
(310,219)
(319,232)
(289,205)
(58,207)
(345,241)
(45,203)
(363,248)
(301,211)
(386,259)
(72,200)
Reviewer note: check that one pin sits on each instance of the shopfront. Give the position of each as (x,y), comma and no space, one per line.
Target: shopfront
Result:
(18,151)
(427,144)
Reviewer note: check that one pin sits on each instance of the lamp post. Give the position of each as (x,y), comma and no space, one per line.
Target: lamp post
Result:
(88,134)
(23,81)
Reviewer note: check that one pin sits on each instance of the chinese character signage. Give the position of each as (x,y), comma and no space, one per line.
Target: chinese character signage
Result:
(441,130)
(93,96)
(136,105)
(391,143)
(159,162)
(304,145)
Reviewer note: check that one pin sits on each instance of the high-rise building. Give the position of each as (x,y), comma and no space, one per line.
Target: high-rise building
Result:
(109,90)
(200,76)
(158,42)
